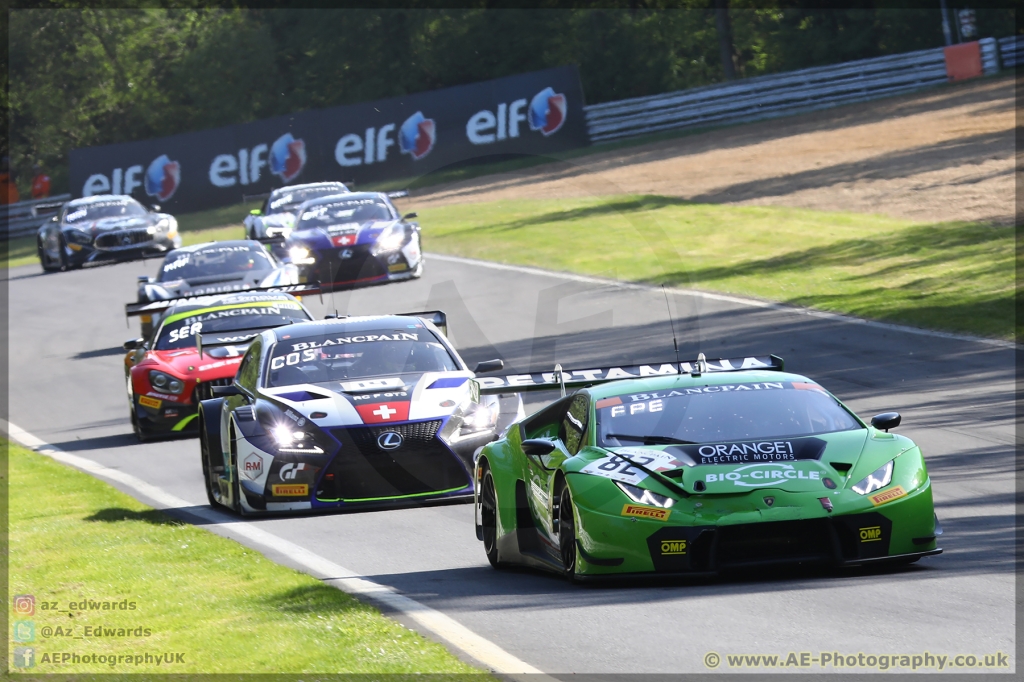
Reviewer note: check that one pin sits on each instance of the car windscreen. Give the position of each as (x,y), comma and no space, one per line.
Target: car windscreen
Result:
(290,199)
(179,329)
(342,212)
(725,412)
(215,260)
(103,209)
(357,355)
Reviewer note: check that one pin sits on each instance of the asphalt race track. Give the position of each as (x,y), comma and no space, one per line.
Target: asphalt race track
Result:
(956,396)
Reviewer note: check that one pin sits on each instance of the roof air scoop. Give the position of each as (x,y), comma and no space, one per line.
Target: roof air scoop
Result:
(700,366)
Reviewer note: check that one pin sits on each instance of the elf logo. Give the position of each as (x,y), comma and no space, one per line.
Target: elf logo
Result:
(545,113)
(417,135)
(162,177)
(160,180)
(285,158)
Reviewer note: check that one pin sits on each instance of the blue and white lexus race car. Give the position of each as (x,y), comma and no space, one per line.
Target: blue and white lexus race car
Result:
(355,239)
(349,413)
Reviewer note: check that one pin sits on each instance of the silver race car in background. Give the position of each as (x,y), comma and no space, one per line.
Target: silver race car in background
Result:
(277,216)
(349,413)
(213,268)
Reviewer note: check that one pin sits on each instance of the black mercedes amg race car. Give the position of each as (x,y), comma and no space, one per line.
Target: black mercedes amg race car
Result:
(105,227)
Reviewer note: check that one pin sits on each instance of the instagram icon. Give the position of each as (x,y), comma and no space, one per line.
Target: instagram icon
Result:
(24,604)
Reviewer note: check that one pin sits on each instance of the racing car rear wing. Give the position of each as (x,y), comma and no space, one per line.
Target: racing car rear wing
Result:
(562,378)
(132,309)
(435,317)
(229,338)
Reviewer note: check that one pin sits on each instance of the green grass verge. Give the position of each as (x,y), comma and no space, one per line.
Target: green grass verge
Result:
(225,607)
(948,276)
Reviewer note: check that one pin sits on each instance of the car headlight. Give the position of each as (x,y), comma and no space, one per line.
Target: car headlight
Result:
(389,240)
(645,496)
(293,440)
(79,237)
(165,382)
(162,225)
(479,417)
(879,478)
(300,255)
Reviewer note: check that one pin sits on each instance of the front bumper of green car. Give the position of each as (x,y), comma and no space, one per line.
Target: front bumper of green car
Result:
(724,532)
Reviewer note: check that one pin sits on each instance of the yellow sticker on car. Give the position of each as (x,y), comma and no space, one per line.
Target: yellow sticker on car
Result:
(146,401)
(887,496)
(293,490)
(643,512)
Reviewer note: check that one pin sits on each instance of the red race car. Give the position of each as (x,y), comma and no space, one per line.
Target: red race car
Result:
(199,343)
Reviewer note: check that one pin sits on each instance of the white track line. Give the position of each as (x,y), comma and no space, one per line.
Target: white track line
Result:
(451,631)
(526,270)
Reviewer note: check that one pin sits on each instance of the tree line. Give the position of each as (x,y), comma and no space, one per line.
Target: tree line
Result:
(85,76)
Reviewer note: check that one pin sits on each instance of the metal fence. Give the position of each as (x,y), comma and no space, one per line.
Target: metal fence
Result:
(1011,51)
(776,95)
(25,217)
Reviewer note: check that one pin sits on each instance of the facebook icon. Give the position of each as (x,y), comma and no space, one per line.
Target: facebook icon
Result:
(24,656)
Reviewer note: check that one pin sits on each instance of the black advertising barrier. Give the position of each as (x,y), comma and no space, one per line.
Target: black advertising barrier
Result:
(535,113)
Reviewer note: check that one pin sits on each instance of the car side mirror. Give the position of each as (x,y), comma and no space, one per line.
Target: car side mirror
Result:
(537,447)
(133,344)
(256,211)
(409,216)
(225,391)
(144,279)
(489,366)
(886,420)
(156,207)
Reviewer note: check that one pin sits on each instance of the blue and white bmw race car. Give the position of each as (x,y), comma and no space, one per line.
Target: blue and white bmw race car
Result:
(349,413)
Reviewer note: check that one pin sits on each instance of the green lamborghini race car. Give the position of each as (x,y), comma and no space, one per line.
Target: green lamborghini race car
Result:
(695,468)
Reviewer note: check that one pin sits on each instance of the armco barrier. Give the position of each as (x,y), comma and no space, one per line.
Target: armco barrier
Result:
(25,217)
(1011,51)
(776,95)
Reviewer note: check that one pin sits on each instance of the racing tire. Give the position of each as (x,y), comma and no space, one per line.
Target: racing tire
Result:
(60,264)
(236,488)
(567,534)
(44,260)
(489,517)
(204,454)
(62,259)
(137,428)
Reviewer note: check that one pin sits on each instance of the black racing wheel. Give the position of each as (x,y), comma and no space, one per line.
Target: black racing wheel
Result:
(489,516)
(567,533)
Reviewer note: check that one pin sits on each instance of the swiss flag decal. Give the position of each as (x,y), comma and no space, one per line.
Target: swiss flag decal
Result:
(383,413)
(344,239)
